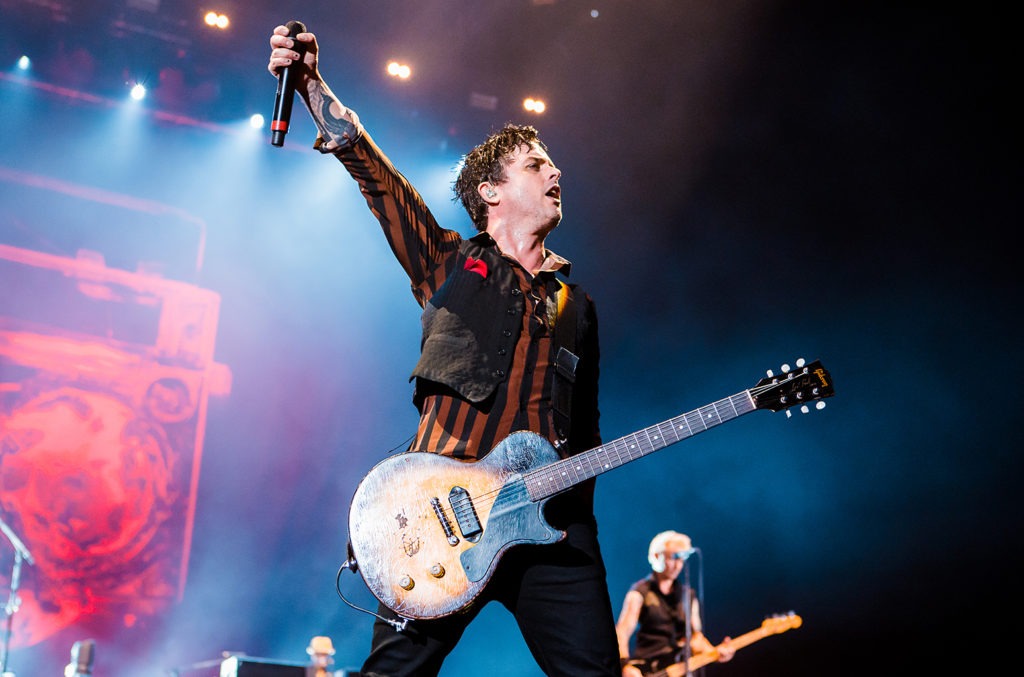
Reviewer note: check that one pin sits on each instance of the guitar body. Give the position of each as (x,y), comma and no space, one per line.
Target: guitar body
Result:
(427,531)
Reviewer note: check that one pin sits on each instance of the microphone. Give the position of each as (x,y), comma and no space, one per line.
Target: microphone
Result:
(286,88)
(81,659)
(684,554)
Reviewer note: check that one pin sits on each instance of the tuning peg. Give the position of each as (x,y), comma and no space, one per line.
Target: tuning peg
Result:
(800,362)
(804,409)
(770,373)
(785,369)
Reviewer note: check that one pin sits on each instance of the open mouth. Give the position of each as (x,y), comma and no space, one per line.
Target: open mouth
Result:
(555,193)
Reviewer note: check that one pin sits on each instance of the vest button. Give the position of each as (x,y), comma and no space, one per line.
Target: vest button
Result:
(502,351)
(506,332)
(516,292)
(499,373)
(511,311)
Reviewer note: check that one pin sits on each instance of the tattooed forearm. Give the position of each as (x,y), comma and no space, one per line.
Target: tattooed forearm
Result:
(337,124)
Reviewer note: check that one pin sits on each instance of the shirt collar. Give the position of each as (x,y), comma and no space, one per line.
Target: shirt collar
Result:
(552,261)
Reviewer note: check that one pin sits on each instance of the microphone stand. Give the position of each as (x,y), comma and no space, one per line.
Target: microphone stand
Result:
(687,611)
(13,602)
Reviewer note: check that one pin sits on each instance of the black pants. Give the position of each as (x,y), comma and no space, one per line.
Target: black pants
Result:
(558,595)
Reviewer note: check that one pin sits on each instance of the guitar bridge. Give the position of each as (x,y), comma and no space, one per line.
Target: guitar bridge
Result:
(465,514)
(446,525)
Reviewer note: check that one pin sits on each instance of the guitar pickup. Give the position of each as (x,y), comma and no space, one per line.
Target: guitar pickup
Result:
(465,514)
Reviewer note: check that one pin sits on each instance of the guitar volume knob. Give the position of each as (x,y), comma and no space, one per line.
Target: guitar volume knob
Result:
(437,571)
(406,583)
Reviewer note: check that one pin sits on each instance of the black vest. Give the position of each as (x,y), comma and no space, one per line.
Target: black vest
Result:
(471,324)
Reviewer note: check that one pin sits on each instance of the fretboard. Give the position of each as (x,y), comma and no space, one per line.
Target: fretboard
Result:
(561,475)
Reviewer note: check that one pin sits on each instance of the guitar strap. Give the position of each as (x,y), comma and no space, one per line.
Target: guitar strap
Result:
(565,359)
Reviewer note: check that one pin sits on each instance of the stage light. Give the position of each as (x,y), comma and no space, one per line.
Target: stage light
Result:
(138,92)
(256,121)
(534,105)
(24,62)
(217,20)
(399,70)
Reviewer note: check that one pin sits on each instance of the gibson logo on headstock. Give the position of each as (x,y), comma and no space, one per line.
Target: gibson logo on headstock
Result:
(821,376)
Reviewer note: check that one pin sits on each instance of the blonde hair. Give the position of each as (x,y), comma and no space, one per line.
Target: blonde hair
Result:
(661,541)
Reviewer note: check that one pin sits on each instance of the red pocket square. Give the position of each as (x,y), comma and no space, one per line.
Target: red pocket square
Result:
(476,266)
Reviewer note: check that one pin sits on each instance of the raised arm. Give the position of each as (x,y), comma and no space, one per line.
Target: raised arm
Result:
(420,244)
(338,125)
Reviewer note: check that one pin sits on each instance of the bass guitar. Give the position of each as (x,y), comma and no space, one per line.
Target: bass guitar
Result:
(426,531)
(771,626)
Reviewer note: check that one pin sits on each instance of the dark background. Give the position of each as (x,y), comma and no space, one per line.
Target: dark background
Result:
(745,183)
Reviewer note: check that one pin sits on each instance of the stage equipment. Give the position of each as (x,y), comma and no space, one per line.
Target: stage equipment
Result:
(82,653)
(21,554)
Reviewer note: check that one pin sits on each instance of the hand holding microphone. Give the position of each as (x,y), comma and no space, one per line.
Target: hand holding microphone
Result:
(287,75)
(294,63)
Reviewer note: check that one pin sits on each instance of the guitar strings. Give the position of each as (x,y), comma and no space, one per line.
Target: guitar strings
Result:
(621,447)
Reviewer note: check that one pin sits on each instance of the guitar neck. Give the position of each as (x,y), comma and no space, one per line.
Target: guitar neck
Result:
(701,660)
(561,475)
(746,639)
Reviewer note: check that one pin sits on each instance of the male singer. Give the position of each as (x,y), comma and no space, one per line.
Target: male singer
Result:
(507,346)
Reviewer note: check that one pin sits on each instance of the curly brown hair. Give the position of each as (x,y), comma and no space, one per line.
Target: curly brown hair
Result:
(487,162)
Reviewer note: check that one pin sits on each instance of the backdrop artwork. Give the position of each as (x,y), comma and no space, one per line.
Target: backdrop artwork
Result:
(105,375)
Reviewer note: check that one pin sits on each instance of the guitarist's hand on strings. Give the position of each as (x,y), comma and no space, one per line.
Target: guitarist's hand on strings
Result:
(631,671)
(725,650)
(722,653)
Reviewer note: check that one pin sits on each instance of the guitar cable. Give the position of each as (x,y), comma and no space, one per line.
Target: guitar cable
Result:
(350,564)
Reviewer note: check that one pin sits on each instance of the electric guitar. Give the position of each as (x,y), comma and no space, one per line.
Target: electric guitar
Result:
(770,626)
(426,531)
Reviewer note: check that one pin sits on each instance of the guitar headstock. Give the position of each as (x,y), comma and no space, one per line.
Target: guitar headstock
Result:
(781,622)
(800,386)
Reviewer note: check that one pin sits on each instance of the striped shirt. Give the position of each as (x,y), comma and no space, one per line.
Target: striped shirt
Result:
(450,424)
